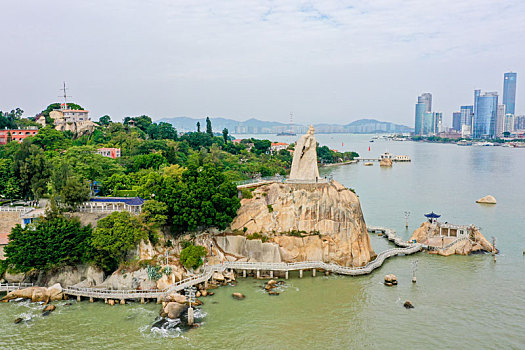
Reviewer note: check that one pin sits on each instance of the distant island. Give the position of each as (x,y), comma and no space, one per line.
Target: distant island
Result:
(256,126)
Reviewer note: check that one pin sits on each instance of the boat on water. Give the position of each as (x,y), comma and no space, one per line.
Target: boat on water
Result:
(286,133)
(371,141)
(464,143)
(368,164)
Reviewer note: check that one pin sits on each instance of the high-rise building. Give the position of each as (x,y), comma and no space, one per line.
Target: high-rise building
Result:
(438,122)
(467,113)
(456,121)
(519,122)
(423,105)
(426,98)
(429,123)
(509,123)
(509,92)
(485,115)
(500,120)
(476,95)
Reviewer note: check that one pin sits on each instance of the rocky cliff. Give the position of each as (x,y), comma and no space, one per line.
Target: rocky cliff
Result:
(328,214)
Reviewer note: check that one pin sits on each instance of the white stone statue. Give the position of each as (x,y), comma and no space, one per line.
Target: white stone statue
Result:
(304,164)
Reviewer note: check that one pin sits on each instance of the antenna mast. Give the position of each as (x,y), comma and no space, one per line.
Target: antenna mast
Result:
(64,90)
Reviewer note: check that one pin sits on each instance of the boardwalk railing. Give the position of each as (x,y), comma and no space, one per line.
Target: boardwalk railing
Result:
(16,209)
(8,287)
(208,271)
(453,243)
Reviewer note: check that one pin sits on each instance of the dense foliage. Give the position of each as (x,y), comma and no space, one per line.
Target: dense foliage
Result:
(114,237)
(187,182)
(191,256)
(49,243)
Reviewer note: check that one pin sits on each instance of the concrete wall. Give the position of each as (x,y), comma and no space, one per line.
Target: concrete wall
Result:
(8,220)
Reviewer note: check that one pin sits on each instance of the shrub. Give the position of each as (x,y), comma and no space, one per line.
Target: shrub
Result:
(125,193)
(191,256)
(270,208)
(256,235)
(246,193)
(154,272)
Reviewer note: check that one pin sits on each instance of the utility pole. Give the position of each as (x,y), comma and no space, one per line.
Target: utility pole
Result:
(414,269)
(407,214)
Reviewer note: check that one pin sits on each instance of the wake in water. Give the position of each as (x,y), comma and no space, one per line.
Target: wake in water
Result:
(167,328)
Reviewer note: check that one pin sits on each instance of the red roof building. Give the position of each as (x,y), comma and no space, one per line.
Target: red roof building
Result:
(16,135)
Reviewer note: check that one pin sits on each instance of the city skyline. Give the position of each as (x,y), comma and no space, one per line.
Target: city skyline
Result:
(485,118)
(330,61)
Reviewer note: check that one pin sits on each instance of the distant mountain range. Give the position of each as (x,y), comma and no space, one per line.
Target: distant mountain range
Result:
(256,126)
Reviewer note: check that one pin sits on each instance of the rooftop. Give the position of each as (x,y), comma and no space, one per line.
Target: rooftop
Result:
(125,200)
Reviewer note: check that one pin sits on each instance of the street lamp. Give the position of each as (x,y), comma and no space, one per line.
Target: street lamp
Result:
(407,214)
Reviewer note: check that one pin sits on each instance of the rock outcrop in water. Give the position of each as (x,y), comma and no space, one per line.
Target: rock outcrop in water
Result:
(476,242)
(36,294)
(328,214)
(487,200)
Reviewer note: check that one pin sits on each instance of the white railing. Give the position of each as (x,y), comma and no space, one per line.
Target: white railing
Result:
(7,287)
(16,209)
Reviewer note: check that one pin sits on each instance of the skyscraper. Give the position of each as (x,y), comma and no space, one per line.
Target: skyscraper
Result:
(423,105)
(456,121)
(476,95)
(509,92)
(500,120)
(429,123)
(485,115)
(426,98)
(438,122)
(467,113)
(418,127)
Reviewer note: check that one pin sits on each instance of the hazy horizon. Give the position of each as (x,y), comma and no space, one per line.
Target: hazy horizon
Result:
(330,62)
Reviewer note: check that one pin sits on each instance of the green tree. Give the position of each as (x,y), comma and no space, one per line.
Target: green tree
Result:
(225,135)
(87,164)
(74,193)
(104,120)
(50,139)
(142,122)
(209,130)
(32,169)
(114,237)
(203,198)
(9,184)
(50,243)
(10,119)
(154,214)
(198,126)
(147,161)
(191,256)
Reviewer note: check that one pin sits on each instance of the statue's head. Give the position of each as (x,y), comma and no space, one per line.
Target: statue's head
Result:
(311,130)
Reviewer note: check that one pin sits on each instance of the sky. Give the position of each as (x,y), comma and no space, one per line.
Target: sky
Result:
(325,61)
